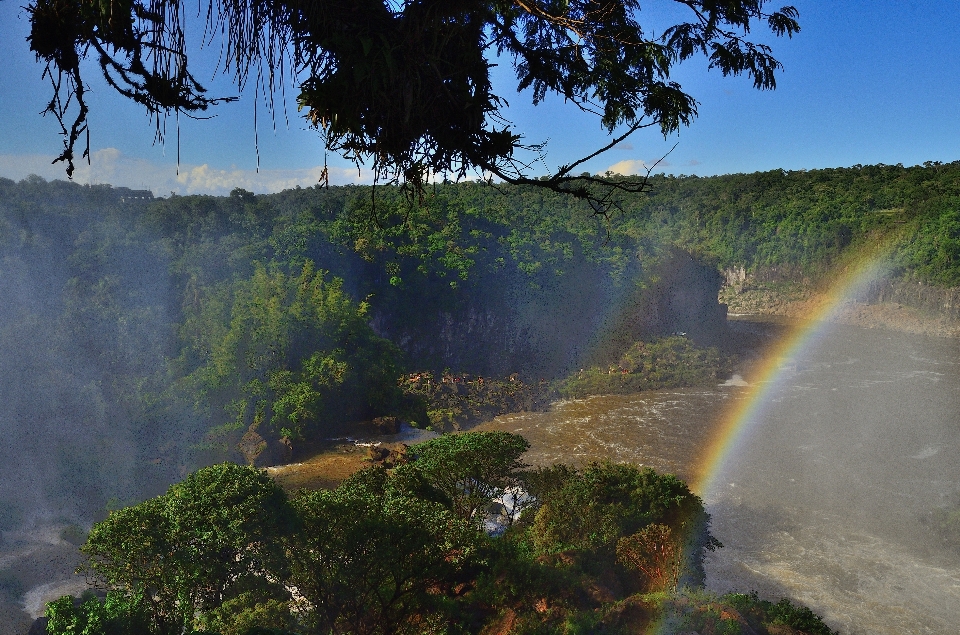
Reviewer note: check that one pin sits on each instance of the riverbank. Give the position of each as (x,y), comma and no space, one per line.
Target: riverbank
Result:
(464,404)
(799,301)
(456,402)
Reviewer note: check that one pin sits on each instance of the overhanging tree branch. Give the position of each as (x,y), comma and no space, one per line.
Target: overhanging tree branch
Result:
(405,87)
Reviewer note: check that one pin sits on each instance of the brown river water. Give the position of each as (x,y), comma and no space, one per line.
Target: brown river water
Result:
(825,500)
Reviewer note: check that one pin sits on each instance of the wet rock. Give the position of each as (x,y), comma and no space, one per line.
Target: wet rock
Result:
(387,425)
(252,446)
(285,449)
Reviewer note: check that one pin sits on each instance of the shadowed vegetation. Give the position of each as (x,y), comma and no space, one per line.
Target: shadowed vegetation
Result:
(405,551)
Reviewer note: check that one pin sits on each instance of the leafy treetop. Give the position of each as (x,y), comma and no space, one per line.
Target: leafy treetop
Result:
(216,534)
(406,84)
(466,471)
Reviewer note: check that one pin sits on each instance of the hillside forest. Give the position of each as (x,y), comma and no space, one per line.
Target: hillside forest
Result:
(144,338)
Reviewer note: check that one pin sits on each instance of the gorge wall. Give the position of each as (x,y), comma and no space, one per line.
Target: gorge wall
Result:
(899,303)
(550,327)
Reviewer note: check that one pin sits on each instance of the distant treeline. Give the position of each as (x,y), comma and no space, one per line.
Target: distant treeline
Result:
(168,327)
(803,221)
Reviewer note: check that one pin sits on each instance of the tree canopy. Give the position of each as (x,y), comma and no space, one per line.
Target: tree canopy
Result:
(406,84)
(228,553)
(469,470)
(211,538)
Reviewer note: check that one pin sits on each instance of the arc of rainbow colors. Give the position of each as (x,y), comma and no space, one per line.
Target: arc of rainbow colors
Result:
(746,413)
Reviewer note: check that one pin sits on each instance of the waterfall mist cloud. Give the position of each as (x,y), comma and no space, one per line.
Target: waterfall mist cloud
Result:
(85,315)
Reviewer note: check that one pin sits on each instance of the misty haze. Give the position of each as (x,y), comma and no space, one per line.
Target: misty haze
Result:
(145,338)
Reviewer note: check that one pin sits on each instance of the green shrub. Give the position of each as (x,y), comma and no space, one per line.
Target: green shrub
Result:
(671,362)
(118,614)
(592,509)
(782,612)
(246,613)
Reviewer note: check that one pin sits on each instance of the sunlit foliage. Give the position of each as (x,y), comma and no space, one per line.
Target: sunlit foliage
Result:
(208,540)
(291,353)
(226,552)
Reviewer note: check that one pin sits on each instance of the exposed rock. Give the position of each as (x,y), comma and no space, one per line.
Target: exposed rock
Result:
(261,452)
(899,305)
(400,454)
(285,449)
(252,445)
(387,425)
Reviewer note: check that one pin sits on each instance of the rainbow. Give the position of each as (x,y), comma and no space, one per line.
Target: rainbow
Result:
(746,413)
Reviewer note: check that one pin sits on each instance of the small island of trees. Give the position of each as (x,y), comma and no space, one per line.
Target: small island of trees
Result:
(460,537)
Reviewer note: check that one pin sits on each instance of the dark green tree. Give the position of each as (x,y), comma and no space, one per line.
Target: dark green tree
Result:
(374,559)
(593,508)
(215,536)
(468,470)
(289,354)
(407,84)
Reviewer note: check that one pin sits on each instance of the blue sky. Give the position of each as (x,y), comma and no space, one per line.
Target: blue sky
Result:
(869,81)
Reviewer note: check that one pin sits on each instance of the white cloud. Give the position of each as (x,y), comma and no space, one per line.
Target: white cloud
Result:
(628,166)
(635,166)
(109,165)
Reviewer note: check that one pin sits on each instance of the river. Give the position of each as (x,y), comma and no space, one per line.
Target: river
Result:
(825,500)
(823,503)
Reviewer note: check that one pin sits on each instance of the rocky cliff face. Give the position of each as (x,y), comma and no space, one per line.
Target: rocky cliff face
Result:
(680,299)
(510,324)
(899,304)
(683,299)
(938,301)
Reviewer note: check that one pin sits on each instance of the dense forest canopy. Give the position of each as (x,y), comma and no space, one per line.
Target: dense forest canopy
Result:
(406,85)
(169,327)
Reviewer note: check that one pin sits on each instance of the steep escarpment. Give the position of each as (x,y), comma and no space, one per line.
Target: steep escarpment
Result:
(782,237)
(899,304)
(583,317)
